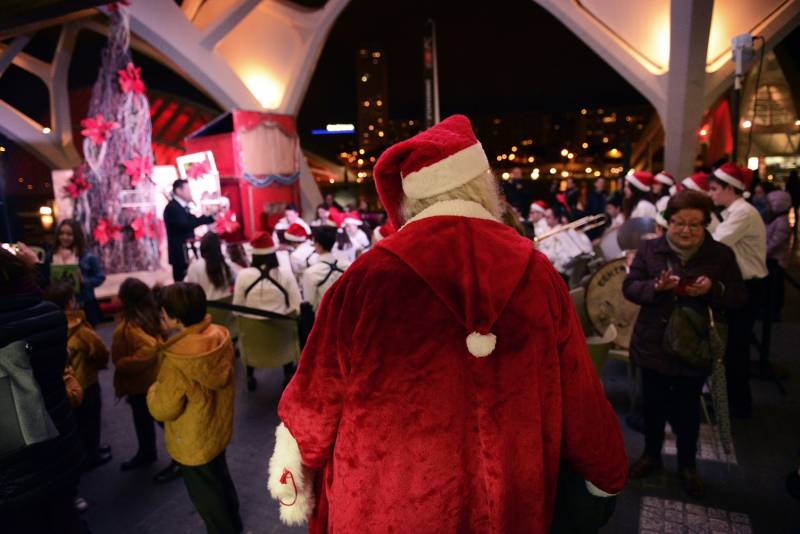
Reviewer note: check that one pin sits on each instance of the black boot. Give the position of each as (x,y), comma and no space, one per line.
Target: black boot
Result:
(169,473)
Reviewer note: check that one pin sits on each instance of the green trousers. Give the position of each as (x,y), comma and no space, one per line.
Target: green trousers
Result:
(214,496)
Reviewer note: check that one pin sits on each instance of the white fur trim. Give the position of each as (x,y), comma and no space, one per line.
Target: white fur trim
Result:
(725,177)
(294,238)
(351,220)
(537,207)
(597,492)
(287,457)
(269,250)
(481,345)
(664,179)
(458,208)
(673,189)
(691,184)
(446,174)
(635,181)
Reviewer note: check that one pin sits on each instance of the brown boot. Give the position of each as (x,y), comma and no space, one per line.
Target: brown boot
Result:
(692,484)
(644,467)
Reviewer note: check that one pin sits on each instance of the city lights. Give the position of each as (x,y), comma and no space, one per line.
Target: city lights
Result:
(361,151)
(45,210)
(535,174)
(588,170)
(531,159)
(570,155)
(584,111)
(512,156)
(513,149)
(2,149)
(552,170)
(46,130)
(796,123)
(364,78)
(747,124)
(752,163)
(597,173)
(605,140)
(564,152)
(340,127)
(703,132)
(366,103)
(564,173)
(584,145)
(506,176)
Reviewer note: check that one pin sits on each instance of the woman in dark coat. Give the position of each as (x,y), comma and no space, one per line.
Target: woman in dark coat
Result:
(684,266)
(40,467)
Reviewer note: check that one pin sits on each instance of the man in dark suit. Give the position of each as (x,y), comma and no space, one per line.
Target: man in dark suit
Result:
(180,223)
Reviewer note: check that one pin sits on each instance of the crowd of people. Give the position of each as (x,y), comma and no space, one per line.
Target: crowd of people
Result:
(711,256)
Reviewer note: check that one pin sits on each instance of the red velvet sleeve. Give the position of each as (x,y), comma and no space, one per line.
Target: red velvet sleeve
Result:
(311,405)
(592,441)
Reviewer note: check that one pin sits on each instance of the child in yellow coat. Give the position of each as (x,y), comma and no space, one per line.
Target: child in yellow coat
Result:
(193,395)
(87,356)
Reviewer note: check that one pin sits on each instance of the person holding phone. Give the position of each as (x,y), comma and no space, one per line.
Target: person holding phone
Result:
(686,267)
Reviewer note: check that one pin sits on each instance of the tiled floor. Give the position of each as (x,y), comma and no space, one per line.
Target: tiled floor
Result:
(708,446)
(663,516)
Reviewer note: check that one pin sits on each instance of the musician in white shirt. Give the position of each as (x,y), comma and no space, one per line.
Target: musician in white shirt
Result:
(536,217)
(352,225)
(743,230)
(265,286)
(212,271)
(318,278)
(303,255)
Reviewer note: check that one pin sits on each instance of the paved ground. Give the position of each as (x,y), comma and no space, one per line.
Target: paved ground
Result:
(745,496)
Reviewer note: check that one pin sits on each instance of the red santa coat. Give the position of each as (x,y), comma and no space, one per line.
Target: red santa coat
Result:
(409,431)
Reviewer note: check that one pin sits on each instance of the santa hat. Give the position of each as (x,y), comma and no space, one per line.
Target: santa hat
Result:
(675,188)
(432,162)
(336,216)
(352,217)
(382,232)
(296,234)
(262,244)
(539,206)
(697,182)
(735,176)
(664,178)
(641,180)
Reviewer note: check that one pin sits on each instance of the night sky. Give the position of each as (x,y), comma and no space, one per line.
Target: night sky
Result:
(502,56)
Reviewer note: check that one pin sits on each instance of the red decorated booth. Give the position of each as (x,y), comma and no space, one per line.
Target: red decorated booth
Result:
(258,159)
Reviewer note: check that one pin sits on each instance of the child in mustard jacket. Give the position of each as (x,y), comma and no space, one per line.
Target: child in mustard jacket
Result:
(87,356)
(193,395)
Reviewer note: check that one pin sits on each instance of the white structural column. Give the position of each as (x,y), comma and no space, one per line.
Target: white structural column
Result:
(690,23)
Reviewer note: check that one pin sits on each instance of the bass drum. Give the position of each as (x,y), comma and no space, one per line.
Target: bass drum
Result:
(605,303)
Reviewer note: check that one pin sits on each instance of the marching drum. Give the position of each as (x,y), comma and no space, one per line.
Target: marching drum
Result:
(606,305)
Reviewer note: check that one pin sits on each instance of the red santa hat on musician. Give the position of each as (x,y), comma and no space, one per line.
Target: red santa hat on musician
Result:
(433,162)
(697,182)
(664,178)
(262,243)
(296,234)
(540,206)
(641,180)
(735,176)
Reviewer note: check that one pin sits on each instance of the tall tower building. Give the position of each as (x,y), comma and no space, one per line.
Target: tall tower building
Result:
(373,108)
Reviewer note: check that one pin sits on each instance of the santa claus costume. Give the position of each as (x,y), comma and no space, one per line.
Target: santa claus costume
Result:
(439,392)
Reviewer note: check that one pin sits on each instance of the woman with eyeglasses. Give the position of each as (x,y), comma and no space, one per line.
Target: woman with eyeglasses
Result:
(684,267)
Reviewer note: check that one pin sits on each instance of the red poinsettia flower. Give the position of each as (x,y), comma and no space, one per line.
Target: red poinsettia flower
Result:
(144,226)
(114,6)
(226,223)
(106,231)
(77,185)
(198,169)
(97,128)
(130,80)
(138,168)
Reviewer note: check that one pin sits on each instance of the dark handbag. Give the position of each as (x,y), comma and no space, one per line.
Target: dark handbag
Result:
(695,338)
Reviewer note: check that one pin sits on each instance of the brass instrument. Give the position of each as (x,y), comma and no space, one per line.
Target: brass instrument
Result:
(583,224)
